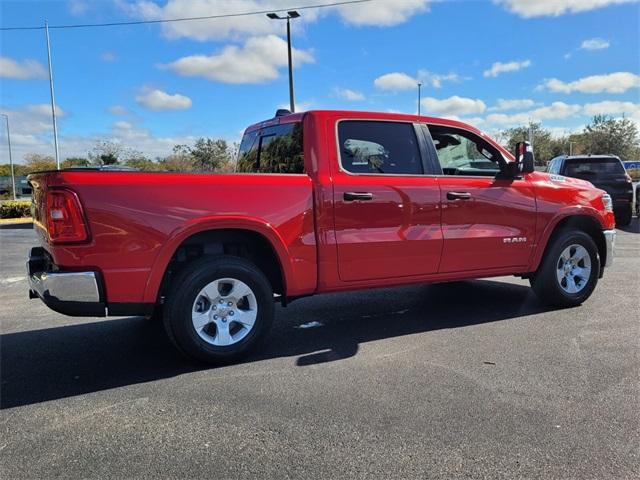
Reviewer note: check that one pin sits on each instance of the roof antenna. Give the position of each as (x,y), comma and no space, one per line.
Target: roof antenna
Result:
(281,112)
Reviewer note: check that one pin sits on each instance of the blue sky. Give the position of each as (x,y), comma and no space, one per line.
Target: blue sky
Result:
(495,63)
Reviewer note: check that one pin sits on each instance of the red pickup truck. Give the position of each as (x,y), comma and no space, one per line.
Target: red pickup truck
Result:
(322,201)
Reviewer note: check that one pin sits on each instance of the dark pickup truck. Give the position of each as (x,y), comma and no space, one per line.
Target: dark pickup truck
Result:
(605,172)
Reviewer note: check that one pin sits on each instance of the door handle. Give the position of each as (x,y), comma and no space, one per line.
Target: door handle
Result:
(351,196)
(458,195)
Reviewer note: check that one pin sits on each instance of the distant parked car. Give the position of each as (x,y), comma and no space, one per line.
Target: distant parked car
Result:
(603,171)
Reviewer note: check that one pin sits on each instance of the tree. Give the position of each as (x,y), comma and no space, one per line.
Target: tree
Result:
(607,135)
(36,162)
(106,152)
(180,161)
(5,170)
(211,155)
(74,162)
(141,163)
(545,145)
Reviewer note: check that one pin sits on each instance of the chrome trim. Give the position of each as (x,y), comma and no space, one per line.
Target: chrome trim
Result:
(66,287)
(610,241)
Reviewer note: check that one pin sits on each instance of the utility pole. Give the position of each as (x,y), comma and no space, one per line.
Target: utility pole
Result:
(290,15)
(419,88)
(13,175)
(53,97)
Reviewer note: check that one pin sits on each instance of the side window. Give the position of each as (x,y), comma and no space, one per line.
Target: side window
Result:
(463,153)
(379,147)
(276,149)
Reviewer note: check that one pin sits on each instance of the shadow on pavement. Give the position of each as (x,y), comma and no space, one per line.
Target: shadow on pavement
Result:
(65,361)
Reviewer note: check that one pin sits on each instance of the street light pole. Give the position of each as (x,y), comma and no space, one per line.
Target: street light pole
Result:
(290,15)
(419,88)
(53,97)
(13,175)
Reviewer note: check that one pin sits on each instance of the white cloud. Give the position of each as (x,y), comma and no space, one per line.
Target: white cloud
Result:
(452,106)
(608,107)
(348,94)
(512,104)
(618,82)
(396,81)
(21,70)
(32,119)
(382,12)
(499,67)
(258,61)
(159,100)
(31,132)
(594,44)
(555,111)
(540,8)
(436,79)
(117,110)
(77,7)
(108,57)
(377,13)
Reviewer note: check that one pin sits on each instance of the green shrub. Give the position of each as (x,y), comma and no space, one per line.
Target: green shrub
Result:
(15,209)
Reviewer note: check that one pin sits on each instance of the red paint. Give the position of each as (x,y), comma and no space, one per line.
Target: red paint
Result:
(410,232)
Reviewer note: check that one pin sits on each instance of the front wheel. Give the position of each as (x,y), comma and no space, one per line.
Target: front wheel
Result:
(219,309)
(569,271)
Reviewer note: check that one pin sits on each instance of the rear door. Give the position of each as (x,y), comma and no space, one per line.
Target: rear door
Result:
(487,222)
(386,211)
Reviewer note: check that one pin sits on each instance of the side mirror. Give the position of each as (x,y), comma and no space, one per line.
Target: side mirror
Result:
(524,157)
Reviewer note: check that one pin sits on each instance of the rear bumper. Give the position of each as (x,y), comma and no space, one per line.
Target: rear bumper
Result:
(77,294)
(610,242)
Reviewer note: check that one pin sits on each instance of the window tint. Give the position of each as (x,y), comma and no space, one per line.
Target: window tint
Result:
(275,149)
(379,147)
(593,166)
(463,153)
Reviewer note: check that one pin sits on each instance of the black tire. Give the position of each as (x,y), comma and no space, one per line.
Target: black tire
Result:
(624,218)
(183,291)
(545,282)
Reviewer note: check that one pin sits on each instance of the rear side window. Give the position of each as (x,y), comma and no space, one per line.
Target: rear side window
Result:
(274,149)
(593,166)
(379,147)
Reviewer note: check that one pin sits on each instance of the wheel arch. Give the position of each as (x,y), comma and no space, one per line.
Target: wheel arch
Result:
(238,237)
(574,221)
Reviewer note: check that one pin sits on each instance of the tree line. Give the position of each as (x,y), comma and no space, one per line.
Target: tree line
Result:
(603,135)
(204,155)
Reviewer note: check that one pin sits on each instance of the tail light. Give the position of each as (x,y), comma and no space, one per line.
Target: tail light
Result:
(65,220)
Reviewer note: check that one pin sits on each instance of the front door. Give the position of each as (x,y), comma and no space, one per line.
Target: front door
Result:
(386,212)
(487,222)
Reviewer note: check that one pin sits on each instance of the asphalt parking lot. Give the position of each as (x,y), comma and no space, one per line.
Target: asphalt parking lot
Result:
(469,380)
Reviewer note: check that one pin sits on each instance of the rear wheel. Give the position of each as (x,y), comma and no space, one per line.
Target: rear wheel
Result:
(219,309)
(569,270)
